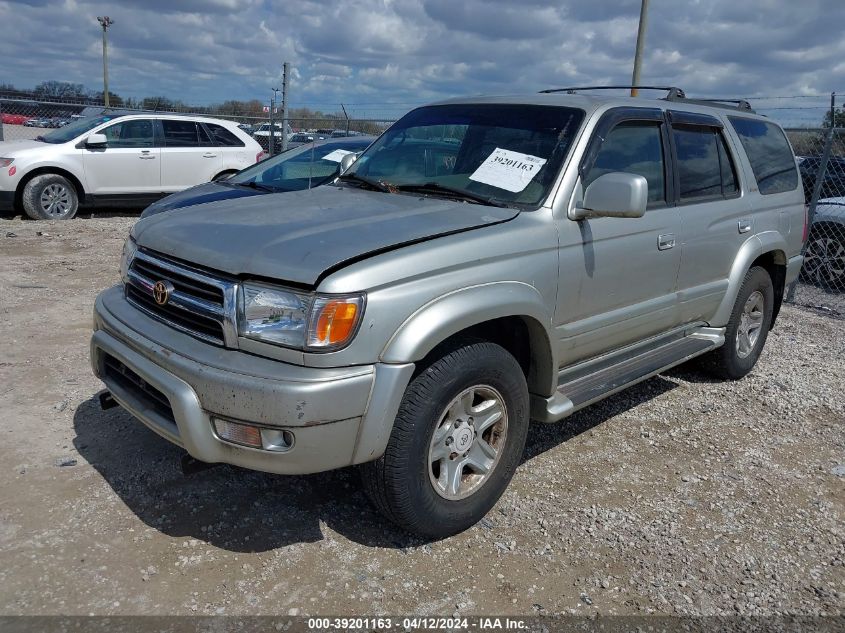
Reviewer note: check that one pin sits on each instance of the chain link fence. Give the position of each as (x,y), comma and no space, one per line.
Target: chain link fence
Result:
(24,119)
(821,161)
(820,151)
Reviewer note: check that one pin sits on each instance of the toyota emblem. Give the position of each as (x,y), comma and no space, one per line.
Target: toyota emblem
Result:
(162,291)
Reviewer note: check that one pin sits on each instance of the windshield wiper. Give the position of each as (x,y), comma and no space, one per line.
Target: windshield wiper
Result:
(450,192)
(372,184)
(251,184)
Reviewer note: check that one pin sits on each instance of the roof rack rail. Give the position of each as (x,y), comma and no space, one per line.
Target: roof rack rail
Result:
(733,104)
(673,94)
(673,91)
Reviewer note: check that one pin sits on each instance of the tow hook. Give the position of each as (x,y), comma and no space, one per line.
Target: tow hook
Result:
(107,401)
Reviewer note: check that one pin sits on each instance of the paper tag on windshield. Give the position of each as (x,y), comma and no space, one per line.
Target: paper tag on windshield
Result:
(508,170)
(337,155)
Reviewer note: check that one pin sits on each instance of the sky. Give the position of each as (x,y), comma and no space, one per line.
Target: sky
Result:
(381,57)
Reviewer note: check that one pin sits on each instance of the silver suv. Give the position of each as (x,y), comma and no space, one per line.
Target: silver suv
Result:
(486,261)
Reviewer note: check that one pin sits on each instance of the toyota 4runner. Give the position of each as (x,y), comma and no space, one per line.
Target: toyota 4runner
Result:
(485,262)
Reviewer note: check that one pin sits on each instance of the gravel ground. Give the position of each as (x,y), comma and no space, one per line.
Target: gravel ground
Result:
(680,496)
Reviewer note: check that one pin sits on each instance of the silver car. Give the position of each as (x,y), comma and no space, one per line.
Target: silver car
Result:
(486,261)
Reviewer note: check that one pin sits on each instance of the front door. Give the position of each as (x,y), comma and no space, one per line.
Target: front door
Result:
(618,276)
(129,164)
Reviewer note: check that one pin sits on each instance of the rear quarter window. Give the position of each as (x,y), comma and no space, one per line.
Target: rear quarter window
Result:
(224,137)
(769,154)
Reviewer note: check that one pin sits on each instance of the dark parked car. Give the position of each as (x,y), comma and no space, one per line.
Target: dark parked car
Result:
(833,183)
(824,257)
(304,167)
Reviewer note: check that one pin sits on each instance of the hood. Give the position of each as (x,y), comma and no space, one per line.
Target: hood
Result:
(208,192)
(297,236)
(9,148)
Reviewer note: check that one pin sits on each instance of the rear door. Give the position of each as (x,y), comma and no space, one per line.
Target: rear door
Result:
(188,155)
(233,150)
(715,213)
(129,164)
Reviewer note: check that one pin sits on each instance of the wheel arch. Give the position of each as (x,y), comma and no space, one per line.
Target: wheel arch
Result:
(774,262)
(511,314)
(767,250)
(49,169)
(224,172)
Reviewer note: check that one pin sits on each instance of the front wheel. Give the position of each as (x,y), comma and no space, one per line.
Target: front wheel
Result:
(50,197)
(455,444)
(747,329)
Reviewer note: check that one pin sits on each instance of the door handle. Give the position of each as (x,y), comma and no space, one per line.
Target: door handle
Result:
(146,157)
(744,226)
(209,155)
(665,241)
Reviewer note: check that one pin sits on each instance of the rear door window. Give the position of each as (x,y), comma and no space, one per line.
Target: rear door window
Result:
(180,133)
(769,153)
(699,173)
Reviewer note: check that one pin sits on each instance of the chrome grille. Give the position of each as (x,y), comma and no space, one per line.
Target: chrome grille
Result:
(200,304)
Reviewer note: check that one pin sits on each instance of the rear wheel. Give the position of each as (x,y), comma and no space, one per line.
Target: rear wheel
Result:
(747,329)
(456,442)
(50,197)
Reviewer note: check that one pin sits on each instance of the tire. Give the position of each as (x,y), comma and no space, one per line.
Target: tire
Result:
(824,257)
(50,197)
(223,175)
(477,390)
(747,329)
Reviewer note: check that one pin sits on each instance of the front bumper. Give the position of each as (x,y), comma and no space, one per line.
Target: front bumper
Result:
(175,384)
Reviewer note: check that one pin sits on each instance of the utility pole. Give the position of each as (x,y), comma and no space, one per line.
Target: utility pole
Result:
(105,22)
(271,145)
(832,109)
(285,89)
(347,118)
(638,55)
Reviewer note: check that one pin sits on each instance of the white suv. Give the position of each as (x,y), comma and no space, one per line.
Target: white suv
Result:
(117,159)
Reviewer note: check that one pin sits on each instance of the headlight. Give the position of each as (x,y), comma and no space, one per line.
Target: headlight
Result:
(274,315)
(297,319)
(5,162)
(129,250)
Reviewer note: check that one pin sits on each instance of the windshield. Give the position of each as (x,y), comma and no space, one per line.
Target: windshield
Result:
(299,168)
(505,153)
(72,130)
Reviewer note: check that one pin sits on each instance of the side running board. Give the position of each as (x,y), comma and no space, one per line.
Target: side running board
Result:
(594,379)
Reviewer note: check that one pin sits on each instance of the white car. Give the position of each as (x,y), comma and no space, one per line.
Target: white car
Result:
(262,133)
(118,159)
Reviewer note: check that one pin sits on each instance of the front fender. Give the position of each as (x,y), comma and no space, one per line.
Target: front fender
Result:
(454,312)
(67,168)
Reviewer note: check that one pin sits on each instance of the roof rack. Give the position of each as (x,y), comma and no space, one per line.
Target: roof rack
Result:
(733,104)
(673,94)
